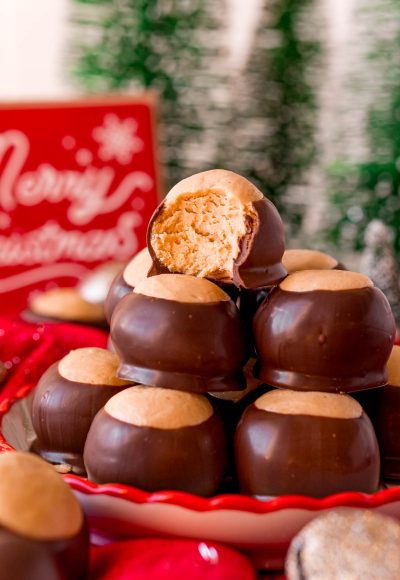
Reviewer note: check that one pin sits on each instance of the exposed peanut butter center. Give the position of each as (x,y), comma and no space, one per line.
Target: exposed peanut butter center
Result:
(296,260)
(159,408)
(313,403)
(181,288)
(93,366)
(334,280)
(34,501)
(202,220)
(138,268)
(66,304)
(393,367)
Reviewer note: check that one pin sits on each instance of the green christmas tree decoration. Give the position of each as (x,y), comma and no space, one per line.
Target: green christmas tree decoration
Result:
(370,190)
(144,44)
(258,121)
(271,138)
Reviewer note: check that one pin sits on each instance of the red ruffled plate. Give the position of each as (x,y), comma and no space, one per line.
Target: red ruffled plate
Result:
(261,528)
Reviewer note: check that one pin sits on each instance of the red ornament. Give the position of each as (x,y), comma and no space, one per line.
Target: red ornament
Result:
(158,559)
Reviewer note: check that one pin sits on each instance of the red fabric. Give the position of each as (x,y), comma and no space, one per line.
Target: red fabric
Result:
(28,350)
(160,559)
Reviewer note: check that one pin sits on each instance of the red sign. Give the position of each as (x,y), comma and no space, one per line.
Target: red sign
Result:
(78,184)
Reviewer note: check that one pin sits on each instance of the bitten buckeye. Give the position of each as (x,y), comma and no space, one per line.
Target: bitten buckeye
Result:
(307,443)
(218,225)
(66,400)
(180,332)
(324,330)
(157,439)
(41,522)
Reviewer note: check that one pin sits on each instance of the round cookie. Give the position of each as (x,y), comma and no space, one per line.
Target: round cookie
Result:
(308,443)
(64,304)
(130,276)
(218,225)
(66,400)
(346,543)
(180,332)
(157,439)
(325,330)
(38,507)
(388,424)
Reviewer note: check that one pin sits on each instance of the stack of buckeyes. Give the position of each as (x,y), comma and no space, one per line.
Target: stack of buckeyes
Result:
(210,292)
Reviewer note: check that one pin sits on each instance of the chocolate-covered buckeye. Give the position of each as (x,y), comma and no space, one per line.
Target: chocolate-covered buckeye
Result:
(22,559)
(64,304)
(346,543)
(218,225)
(180,332)
(157,439)
(231,404)
(300,259)
(66,400)
(94,287)
(324,330)
(388,427)
(38,507)
(308,443)
(125,281)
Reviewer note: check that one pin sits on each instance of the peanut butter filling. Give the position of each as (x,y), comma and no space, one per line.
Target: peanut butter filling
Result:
(199,233)
(159,408)
(334,280)
(312,403)
(393,367)
(180,288)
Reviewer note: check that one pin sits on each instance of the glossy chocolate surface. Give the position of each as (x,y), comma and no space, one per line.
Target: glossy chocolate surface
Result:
(324,340)
(388,431)
(24,559)
(72,554)
(62,412)
(261,249)
(189,346)
(191,459)
(278,454)
(118,289)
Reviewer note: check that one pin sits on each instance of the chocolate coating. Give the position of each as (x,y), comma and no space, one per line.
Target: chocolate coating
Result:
(189,346)
(118,289)
(24,559)
(324,340)
(72,554)
(191,459)
(62,412)
(388,431)
(261,249)
(279,454)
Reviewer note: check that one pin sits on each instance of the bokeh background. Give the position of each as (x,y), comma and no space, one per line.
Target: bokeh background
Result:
(300,96)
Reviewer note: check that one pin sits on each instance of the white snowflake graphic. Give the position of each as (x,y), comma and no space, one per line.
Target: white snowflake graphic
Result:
(117,139)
